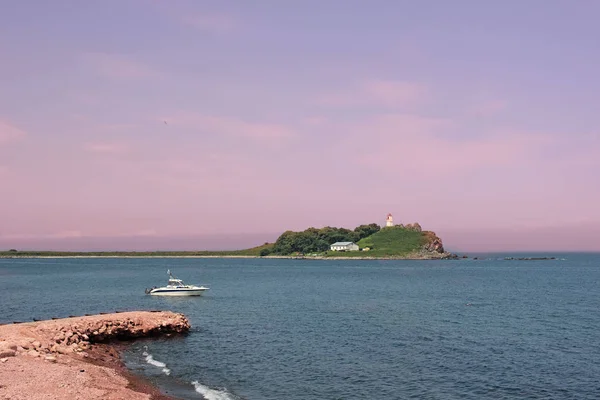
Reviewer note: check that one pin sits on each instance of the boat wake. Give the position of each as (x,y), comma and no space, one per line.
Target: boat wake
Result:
(212,394)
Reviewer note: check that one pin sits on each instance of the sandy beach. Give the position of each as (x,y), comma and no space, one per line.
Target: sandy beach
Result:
(78,358)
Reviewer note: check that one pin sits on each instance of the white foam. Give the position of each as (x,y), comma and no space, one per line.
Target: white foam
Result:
(212,394)
(150,360)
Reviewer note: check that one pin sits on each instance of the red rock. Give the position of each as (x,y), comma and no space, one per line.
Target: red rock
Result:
(33,353)
(34,372)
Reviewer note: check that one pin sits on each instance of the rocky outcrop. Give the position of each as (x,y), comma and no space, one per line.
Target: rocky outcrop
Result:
(433,248)
(413,227)
(77,334)
(74,358)
(433,243)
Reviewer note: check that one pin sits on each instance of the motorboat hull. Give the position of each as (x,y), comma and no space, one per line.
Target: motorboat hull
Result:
(177,292)
(176,287)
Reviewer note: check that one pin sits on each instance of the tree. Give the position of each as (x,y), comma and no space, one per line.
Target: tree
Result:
(265,252)
(313,240)
(364,231)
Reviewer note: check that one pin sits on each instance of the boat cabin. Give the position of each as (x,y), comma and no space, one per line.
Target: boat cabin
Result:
(175,282)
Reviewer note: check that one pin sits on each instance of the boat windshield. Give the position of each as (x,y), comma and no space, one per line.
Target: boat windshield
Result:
(176,282)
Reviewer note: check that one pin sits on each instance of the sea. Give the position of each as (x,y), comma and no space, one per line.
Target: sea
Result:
(272,329)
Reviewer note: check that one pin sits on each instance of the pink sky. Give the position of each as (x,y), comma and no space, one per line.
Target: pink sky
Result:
(474,121)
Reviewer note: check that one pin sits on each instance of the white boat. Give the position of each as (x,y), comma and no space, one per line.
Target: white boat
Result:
(176,287)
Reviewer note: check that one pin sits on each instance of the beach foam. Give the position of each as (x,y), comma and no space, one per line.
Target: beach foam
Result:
(212,394)
(150,360)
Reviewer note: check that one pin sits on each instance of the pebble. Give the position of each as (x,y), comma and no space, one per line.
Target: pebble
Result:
(33,353)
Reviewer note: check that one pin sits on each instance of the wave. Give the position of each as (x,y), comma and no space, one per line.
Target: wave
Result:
(150,360)
(212,394)
(208,393)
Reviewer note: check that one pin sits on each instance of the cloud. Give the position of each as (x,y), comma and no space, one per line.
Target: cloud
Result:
(75,234)
(556,238)
(208,170)
(54,235)
(9,133)
(316,121)
(230,126)
(382,93)
(108,148)
(425,146)
(118,66)
(117,127)
(213,23)
(487,108)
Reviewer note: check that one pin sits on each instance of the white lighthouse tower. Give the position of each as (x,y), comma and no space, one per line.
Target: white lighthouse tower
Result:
(389,220)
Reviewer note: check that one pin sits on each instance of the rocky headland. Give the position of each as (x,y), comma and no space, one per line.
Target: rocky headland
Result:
(76,358)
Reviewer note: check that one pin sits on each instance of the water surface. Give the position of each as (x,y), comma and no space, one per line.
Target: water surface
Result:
(300,329)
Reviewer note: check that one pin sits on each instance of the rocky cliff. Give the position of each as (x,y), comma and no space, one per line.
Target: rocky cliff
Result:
(433,243)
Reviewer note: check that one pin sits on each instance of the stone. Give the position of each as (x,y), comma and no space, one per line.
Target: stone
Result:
(23,345)
(36,344)
(33,353)
(7,346)
(7,353)
(50,359)
(4,359)
(7,349)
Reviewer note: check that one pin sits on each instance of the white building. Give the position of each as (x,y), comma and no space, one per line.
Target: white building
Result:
(344,246)
(389,221)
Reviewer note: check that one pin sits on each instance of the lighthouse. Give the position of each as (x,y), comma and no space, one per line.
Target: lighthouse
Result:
(389,220)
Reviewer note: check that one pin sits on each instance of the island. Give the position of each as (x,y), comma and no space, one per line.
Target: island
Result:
(368,241)
(364,242)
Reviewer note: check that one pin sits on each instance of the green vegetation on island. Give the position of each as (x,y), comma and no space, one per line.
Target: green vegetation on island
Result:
(397,241)
(313,240)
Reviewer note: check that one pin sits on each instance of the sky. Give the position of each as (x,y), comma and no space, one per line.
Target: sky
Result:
(138,124)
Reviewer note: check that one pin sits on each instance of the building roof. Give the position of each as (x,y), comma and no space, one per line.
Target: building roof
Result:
(342,243)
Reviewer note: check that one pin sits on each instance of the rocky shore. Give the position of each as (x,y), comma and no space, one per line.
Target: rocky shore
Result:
(77,358)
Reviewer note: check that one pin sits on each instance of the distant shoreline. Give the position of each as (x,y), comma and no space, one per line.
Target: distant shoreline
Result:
(229,257)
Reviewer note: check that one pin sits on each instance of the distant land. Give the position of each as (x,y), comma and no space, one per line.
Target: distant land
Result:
(373,241)
(576,237)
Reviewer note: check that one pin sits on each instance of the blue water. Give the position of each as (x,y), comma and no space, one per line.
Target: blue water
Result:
(298,329)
